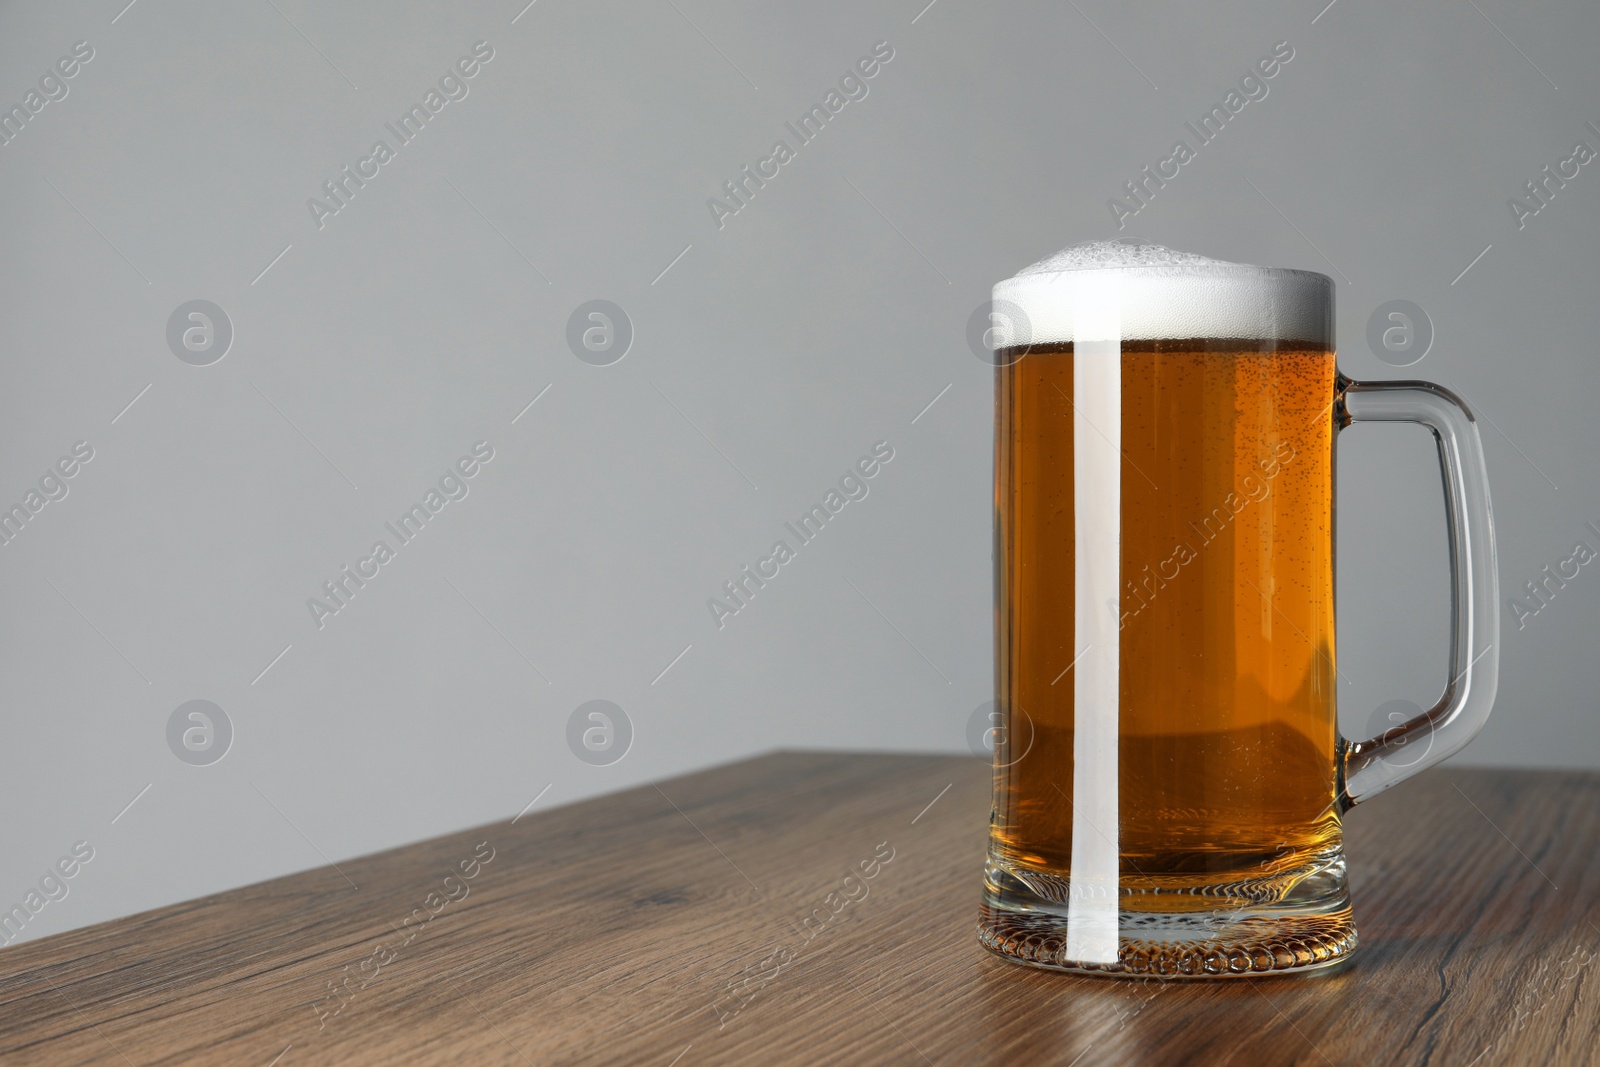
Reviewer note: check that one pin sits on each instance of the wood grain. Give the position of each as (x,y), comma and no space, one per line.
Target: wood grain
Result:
(668,925)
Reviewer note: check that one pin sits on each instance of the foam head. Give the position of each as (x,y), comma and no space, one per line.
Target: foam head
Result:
(1128,289)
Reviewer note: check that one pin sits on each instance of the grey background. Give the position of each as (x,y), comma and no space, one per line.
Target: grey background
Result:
(824,317)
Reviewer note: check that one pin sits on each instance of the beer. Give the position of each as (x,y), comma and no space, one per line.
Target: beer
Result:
(1227,728)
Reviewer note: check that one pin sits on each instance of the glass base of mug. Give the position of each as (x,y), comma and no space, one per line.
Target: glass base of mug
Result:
(1281,925)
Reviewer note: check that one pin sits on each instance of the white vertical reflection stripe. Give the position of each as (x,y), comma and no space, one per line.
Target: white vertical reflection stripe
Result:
(1097,502)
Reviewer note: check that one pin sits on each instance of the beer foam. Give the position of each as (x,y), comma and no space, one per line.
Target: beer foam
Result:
(1129,289)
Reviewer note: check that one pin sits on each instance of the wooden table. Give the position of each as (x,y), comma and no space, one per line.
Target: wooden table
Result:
(707,920)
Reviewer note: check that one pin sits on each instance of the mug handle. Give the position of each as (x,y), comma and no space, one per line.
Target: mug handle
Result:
(1445,728)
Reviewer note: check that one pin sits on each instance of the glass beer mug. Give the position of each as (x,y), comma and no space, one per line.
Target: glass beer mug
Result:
(1169,776)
